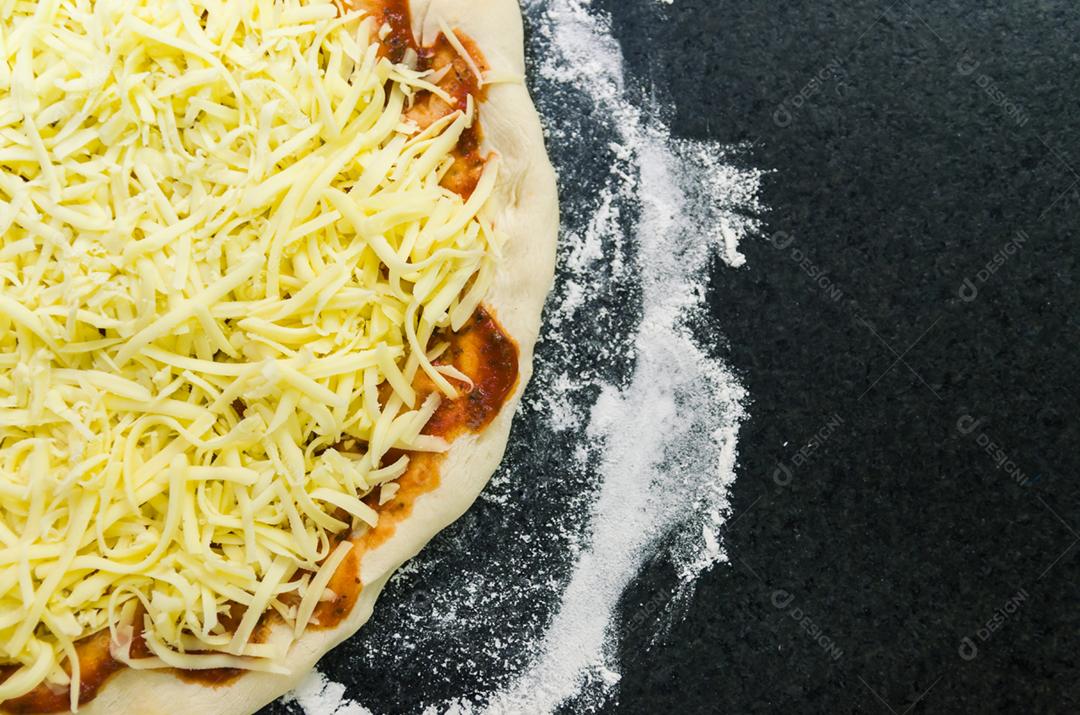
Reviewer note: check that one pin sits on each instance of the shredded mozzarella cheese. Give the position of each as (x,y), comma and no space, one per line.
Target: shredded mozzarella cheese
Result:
(221,241)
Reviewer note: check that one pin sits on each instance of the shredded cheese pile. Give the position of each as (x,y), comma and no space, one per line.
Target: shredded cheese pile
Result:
(220,238)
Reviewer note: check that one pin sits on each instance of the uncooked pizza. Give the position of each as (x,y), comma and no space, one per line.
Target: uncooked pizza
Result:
(271,272)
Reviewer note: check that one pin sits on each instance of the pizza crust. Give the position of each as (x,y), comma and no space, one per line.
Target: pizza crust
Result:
(530,219)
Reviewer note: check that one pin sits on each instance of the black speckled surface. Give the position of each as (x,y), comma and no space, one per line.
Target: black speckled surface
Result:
(899,177)
(906,144)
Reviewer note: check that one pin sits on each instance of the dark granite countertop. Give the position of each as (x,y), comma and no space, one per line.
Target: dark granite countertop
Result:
(905,529)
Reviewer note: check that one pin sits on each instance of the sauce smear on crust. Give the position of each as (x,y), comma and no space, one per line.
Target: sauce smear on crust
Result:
(459,82)
(397,15)
(484,352)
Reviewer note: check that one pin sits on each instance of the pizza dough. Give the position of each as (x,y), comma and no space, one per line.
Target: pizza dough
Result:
(527,191)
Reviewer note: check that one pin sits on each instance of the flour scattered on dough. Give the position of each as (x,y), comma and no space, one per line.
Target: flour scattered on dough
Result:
(625,444)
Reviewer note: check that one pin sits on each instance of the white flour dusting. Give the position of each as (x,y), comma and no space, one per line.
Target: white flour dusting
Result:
(659,445)
(669,435)
(318,696)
